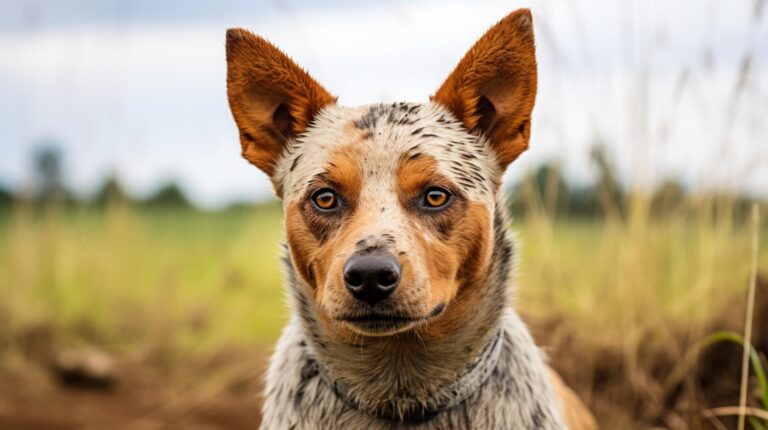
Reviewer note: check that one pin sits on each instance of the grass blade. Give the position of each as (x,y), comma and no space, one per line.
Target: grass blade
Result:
(748,319)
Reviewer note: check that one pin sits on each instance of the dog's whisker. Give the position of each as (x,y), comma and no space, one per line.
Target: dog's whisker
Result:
(420,339)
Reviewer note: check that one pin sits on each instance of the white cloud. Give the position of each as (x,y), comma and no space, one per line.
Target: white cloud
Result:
(148,99)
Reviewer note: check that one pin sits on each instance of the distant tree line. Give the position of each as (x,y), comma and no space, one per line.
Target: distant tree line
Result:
(169,195)
(49,189)
(544,189)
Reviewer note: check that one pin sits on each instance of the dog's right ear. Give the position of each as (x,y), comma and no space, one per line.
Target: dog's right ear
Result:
(271,98)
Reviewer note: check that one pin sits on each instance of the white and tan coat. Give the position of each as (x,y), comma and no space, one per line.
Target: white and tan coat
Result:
(457,355)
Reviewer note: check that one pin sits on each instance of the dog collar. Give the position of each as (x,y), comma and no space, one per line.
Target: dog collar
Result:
(475,376)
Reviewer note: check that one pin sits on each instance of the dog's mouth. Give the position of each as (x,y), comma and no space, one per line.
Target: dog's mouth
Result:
(383,323)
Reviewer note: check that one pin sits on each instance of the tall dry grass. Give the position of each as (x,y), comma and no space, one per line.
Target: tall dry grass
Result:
(620,302)
(160,283)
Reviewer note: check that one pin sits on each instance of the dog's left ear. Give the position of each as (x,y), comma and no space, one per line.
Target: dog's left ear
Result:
(493,88)
(271,98)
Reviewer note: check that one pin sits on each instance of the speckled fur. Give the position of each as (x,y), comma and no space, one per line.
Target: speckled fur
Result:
(399,372)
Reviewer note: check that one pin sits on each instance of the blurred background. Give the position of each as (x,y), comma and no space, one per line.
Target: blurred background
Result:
(140,274)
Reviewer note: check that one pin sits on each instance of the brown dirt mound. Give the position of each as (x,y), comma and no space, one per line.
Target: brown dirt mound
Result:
(635,392)
(143,397)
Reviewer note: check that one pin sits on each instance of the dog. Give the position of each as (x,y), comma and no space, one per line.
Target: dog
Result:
(399,259)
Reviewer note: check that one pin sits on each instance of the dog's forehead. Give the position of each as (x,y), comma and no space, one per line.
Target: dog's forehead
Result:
(381,135)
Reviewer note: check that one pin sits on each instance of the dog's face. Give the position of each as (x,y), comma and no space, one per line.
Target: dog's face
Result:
(388,208)
(388,211)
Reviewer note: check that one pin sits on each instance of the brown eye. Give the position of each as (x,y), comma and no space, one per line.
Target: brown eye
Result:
(325,200)
(436,198)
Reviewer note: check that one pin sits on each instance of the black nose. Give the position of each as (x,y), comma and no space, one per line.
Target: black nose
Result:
(372,277)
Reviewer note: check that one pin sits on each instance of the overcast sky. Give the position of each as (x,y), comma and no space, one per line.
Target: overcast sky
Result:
(138,88)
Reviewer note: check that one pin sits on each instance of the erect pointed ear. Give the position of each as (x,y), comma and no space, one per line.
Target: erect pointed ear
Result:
(271,98)
(493,88)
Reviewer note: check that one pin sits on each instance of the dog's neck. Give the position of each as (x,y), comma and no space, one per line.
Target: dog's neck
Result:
(402,376)
(403,406)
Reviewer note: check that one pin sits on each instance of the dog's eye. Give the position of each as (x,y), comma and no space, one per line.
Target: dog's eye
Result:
(325,200)
(436,198)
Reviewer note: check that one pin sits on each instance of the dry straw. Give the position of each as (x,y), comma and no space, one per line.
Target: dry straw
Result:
(748,319)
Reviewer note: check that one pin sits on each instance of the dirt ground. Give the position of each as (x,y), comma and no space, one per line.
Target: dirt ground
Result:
(223,391)
(142,398)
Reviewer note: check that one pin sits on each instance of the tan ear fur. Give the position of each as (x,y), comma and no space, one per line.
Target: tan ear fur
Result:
(493,88)
(272,99)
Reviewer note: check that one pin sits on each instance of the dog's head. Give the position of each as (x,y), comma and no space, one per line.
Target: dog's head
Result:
(389,208)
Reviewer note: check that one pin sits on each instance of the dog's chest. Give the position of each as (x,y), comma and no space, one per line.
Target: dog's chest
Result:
(513,397)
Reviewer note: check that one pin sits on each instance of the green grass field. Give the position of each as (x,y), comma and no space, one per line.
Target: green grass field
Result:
(190,283)
(125,275)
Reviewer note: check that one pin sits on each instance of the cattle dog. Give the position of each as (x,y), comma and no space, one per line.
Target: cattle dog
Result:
(398,260)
